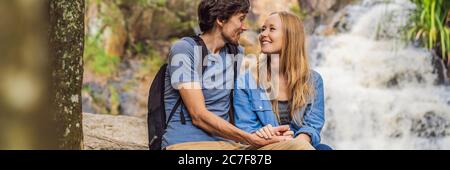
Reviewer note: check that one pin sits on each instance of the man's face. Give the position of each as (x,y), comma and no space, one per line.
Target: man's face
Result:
(234,27)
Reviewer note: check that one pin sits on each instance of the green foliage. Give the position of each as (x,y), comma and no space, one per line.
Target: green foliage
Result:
(151,64)
(114,100)
(428,25)
(96,58)
(297,10)
(152,3)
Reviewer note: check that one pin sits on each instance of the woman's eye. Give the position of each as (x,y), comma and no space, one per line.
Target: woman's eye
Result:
(261,30)
(272,29)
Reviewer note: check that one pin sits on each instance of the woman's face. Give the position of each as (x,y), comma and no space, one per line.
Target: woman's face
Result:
(271,36)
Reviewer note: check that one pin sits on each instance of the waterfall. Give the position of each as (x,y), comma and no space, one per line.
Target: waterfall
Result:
(379,92)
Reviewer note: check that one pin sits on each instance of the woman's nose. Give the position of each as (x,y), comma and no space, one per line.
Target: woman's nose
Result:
(263,33)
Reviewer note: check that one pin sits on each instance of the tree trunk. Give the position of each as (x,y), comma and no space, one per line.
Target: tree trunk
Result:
(66,53)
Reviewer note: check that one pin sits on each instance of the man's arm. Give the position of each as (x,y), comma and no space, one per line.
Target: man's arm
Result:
(194,101)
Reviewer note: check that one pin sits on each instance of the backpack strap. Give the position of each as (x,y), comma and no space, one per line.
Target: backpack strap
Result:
(233,49)
(199,41)
(205,52)
(172,112)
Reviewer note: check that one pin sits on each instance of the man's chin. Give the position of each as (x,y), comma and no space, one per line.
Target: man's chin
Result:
(234,41)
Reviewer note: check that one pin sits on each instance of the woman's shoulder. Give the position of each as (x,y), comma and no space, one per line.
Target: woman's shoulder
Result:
(316,76)
(317,79)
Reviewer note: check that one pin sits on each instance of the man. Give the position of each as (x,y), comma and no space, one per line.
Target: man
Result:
(206,97)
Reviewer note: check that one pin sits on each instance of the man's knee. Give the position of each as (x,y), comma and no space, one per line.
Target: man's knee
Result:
(207,145)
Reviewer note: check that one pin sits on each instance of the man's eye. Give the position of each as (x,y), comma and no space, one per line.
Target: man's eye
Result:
(272,29)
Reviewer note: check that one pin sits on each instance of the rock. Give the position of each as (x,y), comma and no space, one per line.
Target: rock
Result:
(318,6)
(440,69)
(115,38)
(321,12)
(87,100)
(104,19)
(105,132)
(130,27)
(261,9)
(431,125)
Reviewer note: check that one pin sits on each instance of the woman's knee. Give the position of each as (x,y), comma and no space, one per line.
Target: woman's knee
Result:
(323,147)
(297,144)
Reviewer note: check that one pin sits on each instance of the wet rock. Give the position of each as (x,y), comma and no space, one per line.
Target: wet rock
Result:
(440,69)
(339,24)
(404,77)
(431,125)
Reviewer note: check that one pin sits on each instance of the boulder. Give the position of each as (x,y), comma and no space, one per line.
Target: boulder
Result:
(321,12)
(106,132)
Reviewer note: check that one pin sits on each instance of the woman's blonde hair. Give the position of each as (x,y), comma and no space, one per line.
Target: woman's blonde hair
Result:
(294,65)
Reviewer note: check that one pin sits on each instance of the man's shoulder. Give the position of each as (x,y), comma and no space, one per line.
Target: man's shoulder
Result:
(186,43)
(182,49)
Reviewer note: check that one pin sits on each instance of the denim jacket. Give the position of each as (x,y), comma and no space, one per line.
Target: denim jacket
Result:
(253,109)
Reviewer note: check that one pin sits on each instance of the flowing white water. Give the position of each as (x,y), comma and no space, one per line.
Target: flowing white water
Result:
(380,94)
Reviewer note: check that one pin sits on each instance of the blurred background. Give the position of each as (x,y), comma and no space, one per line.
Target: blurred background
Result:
(384,62)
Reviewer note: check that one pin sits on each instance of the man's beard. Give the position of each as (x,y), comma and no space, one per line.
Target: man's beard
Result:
(230,40)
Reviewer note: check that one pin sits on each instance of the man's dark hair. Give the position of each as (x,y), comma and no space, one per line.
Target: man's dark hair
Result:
(211,10)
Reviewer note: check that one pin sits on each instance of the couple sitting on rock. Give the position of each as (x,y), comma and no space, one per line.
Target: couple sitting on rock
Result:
(279,105)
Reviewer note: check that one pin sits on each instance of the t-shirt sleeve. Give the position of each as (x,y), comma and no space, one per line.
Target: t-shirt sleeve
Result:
(184,64)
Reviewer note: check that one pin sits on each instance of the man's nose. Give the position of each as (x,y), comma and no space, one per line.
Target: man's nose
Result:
(244,27)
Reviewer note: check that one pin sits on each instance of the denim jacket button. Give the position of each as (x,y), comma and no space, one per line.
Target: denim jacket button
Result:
(260,107)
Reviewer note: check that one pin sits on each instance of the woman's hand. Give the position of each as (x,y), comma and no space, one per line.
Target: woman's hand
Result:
(261,137)
(288,133)
(258,142)
(304,137)
(267,132)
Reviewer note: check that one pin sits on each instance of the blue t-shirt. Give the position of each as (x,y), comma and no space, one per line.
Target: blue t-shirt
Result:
(217,82)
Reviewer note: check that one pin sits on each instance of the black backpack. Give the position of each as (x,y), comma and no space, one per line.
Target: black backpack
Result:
(157,123)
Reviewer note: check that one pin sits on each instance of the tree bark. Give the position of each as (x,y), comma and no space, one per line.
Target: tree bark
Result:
(66,53)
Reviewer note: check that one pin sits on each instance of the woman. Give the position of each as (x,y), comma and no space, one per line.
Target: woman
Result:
(284,91)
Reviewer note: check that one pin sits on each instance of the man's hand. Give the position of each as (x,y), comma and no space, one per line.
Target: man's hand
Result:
(259,142)
(288,133)
(194,101)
